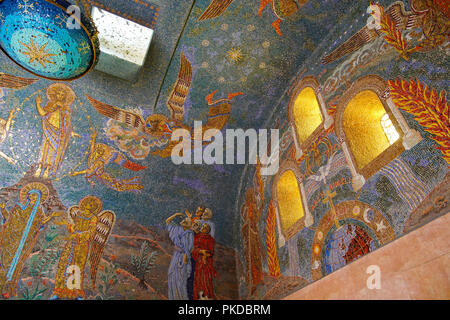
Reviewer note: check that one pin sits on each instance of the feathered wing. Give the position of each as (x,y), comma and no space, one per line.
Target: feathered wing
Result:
(13,82)
(218,115)
(181,89)
(127,117)
(73,212)
(403,20)
(103,229)
(357,41)
(215,9)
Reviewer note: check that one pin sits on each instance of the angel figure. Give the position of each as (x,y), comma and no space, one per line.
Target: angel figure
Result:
(100,156)
(19,234)
(157,129)
(10,82)
(215,9)
(282,9)
(89,229)
(432,17)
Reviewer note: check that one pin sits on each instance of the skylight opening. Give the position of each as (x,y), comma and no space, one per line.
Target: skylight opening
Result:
(123,43)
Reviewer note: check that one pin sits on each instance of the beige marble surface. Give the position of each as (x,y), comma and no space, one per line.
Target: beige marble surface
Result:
(416,266)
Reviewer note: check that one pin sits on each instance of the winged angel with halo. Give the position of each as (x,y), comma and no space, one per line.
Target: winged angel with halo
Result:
(137,137)
(282,10)
(89,229)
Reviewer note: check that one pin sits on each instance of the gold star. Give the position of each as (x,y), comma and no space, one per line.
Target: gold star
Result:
(37,54)
(235,55)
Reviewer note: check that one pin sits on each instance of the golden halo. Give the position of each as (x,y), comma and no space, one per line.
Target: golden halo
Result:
(95,200)
(154,124)
(156,117)
(54,88)
(34,186)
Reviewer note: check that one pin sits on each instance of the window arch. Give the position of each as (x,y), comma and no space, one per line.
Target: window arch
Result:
(372,130)
(289,198)
(308,115)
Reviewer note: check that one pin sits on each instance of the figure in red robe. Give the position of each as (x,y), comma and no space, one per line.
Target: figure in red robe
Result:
(203,253)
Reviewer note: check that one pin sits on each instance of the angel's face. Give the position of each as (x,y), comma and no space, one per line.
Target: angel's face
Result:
(88,208)
(420,5)
(156,125)
(99,151)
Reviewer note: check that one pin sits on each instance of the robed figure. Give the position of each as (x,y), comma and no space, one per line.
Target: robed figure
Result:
(205,273)
(56,126)
(19,234)
(252,243)
(180,267)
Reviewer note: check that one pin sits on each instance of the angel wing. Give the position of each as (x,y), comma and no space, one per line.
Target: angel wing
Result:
(403,20)
(215,9)
(130,118)
(181,89)
(105,223)
(73,211)
(13,82)
(357,41)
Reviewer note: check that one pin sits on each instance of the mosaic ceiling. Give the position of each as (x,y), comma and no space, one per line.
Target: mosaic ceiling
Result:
(243,50)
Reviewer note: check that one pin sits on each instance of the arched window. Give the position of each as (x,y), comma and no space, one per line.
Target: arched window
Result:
(307,113)
(372,130)
(288,194)
(289,200)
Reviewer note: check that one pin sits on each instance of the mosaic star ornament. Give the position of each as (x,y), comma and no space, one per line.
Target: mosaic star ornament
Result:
(41,37)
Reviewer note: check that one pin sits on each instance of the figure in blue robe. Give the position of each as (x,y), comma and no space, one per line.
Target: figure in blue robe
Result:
(180,267)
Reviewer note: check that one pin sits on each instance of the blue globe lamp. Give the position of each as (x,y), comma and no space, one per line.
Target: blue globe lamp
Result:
(48,38)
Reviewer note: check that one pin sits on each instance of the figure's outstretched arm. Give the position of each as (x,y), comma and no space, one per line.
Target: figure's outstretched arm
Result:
(178,214)
(39,106)
(78,173)
(91,154)
(93,141)
(5,212)
(75,135)
(12,115)
(9,159)
(54,214)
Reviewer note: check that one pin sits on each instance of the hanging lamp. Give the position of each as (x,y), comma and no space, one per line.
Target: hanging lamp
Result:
(44,39)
